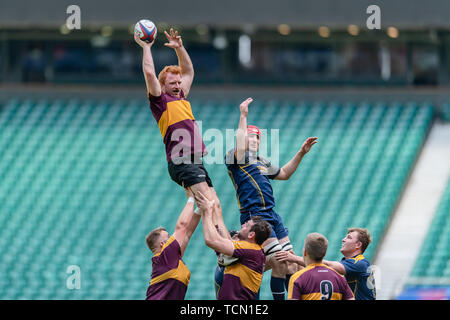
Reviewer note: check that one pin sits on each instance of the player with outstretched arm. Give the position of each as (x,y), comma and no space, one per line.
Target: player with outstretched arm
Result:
(317,281)
(242,279)
(251,175)
(167,94)
(354,266)
(170,276)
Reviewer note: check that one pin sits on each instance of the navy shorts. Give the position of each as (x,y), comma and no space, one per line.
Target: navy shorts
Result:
(279,231)
(187,175)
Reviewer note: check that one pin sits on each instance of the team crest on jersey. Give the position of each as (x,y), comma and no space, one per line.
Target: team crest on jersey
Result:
(263,170)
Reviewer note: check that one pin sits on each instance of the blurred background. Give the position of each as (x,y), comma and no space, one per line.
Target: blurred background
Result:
(83,175)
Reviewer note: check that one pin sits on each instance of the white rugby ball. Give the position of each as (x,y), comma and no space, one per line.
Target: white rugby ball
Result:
(146,30)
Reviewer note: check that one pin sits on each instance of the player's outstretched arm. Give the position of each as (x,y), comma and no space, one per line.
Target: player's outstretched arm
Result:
(242,130)
(212,238)
(184,61)
(289,168)
(289,257)
(148,67)
(339,267)
(187,222)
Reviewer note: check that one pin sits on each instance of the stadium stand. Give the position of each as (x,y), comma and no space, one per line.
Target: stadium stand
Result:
(83,181)
(430,276)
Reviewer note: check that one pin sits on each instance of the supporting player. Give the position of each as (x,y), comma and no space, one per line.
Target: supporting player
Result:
(242,279)
(221,264)
(170,276)
(251,174)
(354,266)
(317,281)
(167,94)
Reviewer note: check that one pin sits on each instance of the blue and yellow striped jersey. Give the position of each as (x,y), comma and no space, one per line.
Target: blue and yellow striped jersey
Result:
(251,179)
(359,277)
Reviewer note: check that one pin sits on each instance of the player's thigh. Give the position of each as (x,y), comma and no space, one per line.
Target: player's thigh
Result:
(291,267)
(284,240)
(193,175)
(214,195)
(203,188)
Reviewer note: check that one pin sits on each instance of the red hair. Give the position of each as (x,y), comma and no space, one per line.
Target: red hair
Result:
(168,69)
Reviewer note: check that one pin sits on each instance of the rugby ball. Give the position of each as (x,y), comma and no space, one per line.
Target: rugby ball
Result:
(146,30)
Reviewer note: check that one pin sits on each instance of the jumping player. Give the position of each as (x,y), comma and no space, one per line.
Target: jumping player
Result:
(251,175)
(170,276)
(167,94)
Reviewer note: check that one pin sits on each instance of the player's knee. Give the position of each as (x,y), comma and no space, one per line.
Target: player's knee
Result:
(271,249)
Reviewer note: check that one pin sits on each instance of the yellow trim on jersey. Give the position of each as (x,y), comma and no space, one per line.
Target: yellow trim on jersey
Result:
(257,186)
(242,244)
(235,187)
(318,296)
(249,278)
(176,111)
(358,258)
(180,273)
(296,275)
(168,242)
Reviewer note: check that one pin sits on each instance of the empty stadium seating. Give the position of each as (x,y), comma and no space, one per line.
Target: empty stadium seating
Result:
(83,181)
(434,259)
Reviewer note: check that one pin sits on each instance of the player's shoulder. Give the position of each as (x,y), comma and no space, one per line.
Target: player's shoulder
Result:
(302,274)
(245,245)
(357,263)
(360,259)
(170,245)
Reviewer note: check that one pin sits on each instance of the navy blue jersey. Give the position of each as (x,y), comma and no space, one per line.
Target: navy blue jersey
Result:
(251,179)
(360,277)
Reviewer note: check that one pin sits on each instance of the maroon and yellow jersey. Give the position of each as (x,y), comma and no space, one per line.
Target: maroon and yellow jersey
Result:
(318,282)
(176,123)
(241,280)
(170,276)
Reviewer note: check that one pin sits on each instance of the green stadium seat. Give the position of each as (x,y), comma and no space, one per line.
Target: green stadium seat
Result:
(433,260)
(83,181)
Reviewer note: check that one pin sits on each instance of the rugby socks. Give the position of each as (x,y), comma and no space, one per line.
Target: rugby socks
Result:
(277,287)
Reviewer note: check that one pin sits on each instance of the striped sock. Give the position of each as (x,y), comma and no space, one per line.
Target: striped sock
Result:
(277,287)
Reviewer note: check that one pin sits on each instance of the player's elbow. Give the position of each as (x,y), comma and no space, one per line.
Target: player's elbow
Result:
(282,175)
(181,226)
(148,72)
(210,242)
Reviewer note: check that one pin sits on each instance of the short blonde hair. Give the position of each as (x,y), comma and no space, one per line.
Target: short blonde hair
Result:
(363,236)
(316,246)
(168,69)
(152,238)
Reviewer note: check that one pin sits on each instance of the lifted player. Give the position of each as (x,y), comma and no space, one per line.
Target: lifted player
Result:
(167,94)
(251,175)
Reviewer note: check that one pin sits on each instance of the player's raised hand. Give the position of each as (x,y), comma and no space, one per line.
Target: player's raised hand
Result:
(285,256)
(203,202)
(174,39)
(141,43)
(308,144)
(244,106)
